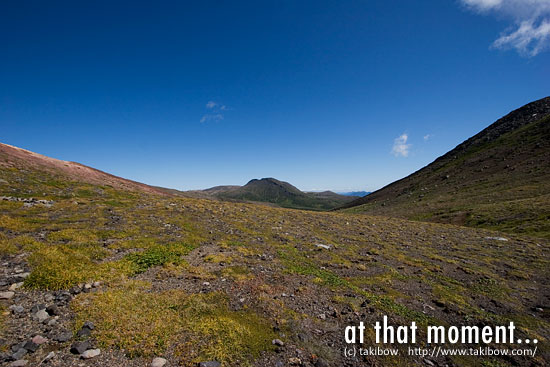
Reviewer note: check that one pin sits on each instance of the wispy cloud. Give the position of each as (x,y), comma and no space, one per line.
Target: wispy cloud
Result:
(400,146)
(530,33)
(216,112)
(428,137)
(212,117)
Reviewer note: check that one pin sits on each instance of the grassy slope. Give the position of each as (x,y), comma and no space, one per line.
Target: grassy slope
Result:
(154,252)
(500,183)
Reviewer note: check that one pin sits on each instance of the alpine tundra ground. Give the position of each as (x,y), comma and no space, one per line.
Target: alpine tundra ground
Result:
(134,276)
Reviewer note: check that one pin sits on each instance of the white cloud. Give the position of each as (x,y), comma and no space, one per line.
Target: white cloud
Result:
(400,146)
(212,117)
(215,113)
(428,137)
(482,4)
(529,39)
(530,33)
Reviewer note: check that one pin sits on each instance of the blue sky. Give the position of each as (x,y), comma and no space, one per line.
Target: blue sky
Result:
(340,95)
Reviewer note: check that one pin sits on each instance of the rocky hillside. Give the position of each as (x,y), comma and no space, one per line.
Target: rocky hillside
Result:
(499,178)
(96,275)
(20,159)
(279,193)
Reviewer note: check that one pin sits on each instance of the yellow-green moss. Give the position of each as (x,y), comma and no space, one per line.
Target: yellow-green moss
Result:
(198,326)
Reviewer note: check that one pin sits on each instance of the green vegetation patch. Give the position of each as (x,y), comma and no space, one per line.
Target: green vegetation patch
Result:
(159,255)
(62,266)
(198,326)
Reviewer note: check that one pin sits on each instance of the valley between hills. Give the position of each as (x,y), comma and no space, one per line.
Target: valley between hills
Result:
(94,262)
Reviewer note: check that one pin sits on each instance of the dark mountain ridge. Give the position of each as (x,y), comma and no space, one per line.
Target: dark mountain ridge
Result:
(499,178)
(276,192)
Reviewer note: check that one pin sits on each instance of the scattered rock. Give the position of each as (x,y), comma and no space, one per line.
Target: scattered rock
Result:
(88,325)
(48,298)
(19,354)
(96,284)
(19,363)
(6,295)
(90,353)
(41,316)
(49,356)
(37,308)
(278,342)
(321,363)
(322,246)
(83,332)
(17,309)
(31,346)
(496,238)
(80,347)
(52,310)
(16,347)
(295,361)
(158,362)
(15,286)
(428,362)
(210,364)
(39,340)
(63,337)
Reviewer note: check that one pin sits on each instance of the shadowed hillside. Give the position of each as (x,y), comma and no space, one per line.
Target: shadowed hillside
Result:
(499,179)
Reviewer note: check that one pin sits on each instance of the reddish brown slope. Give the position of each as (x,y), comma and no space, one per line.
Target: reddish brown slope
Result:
(13,157)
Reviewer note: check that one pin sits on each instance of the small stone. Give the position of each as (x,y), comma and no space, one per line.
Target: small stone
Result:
(96,284)
(428,362)
(277,342)
(19,363)
(39,339)
(15,286)
(91,353)
(83,332)
(539,309)
(321,363)
(52,310)
(17,309)
(48,298)
(41,315)
(52,322)
(24,275)
(49,356)
(89,325)
(210,364)
(37,308)
(16,347)
(75,290)
(158,362)
(206,284)
(87,286)
(6,295)
(295,361)
(80,347)
(30,346)
(19,354)
(322,316)
(63,337)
